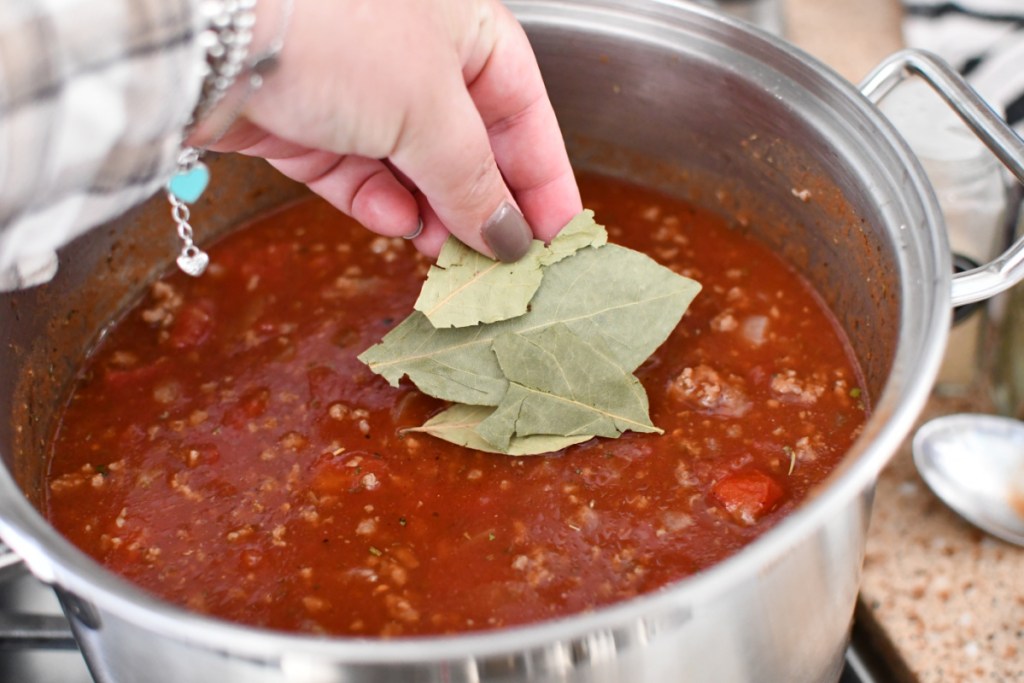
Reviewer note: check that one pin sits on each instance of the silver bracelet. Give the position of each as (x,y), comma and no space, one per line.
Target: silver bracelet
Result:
(226,39)
(226,42)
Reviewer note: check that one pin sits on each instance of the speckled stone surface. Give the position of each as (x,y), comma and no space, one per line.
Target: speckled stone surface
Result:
(943,597)
(944,601)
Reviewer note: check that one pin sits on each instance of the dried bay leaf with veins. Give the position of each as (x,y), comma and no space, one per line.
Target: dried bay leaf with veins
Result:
(466,288)
(579,233)
(569,352)
(454,364)
(458,423)
(563,384)
(619,296)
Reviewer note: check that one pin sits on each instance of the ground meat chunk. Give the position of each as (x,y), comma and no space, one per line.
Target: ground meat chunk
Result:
(704,389)
(724,322)
(787,386)
(804,450)
(166,302)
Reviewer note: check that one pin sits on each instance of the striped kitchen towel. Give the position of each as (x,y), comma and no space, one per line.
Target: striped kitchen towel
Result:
(983,39)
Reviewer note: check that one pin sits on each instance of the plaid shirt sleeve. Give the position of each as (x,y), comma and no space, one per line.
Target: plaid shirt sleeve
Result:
(94,95)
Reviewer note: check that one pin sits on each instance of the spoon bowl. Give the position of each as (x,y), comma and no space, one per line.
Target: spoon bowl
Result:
(975,464)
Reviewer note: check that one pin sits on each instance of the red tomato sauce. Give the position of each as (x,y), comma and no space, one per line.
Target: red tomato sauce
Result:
(224,449)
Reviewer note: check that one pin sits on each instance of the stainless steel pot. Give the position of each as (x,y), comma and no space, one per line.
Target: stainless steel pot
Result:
(679,98)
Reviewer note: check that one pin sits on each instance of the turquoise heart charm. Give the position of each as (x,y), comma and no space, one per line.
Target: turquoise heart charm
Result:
(188,186)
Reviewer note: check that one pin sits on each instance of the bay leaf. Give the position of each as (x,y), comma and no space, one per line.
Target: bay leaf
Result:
(466,288)
(454,364)
(614,294)
(458,423)
(563,384)
(582,231)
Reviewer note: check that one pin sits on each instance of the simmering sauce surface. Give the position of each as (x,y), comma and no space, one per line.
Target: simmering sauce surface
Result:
(225,450)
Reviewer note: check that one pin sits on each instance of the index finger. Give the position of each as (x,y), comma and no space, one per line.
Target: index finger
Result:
(513,103)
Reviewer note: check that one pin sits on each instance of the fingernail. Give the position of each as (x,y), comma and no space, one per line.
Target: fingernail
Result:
(507,233)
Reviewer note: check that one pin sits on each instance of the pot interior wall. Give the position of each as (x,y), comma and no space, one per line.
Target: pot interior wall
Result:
(47,331)
(757,139)
(760,143)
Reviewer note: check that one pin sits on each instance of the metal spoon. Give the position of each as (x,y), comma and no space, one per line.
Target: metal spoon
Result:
(975,464)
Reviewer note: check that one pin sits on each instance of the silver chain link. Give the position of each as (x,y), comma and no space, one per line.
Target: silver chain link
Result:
(192,259)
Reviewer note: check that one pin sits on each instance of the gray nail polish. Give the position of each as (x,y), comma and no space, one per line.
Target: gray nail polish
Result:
(507,233)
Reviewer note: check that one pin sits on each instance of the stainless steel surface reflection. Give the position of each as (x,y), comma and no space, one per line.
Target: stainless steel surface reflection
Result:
(702,102)
(765,14)
(34,650)
(975,464)
(27,657)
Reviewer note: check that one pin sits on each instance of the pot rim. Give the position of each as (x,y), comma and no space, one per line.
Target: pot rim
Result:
(915,365)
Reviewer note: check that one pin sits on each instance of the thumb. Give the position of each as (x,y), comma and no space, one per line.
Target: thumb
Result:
(446,153)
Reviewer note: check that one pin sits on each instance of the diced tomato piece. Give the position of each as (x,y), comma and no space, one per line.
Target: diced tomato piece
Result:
(332,478)
(121,378)
(747,495)
(346,472)
(250,405)
(200,454)
(192,325)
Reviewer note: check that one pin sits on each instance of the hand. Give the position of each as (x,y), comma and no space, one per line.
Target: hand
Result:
(397,110)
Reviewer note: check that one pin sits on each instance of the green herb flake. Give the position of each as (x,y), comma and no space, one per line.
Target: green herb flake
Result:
(102,470)
(855,392)
(375,552)
(491,536)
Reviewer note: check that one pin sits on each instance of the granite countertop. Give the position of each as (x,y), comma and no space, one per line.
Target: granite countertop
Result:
(943,602)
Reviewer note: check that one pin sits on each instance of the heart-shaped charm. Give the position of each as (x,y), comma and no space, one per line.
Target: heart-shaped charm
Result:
(193,261)
(188,185)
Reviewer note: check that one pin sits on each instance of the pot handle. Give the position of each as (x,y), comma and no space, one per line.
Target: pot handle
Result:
(10,562)
(1007,269)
